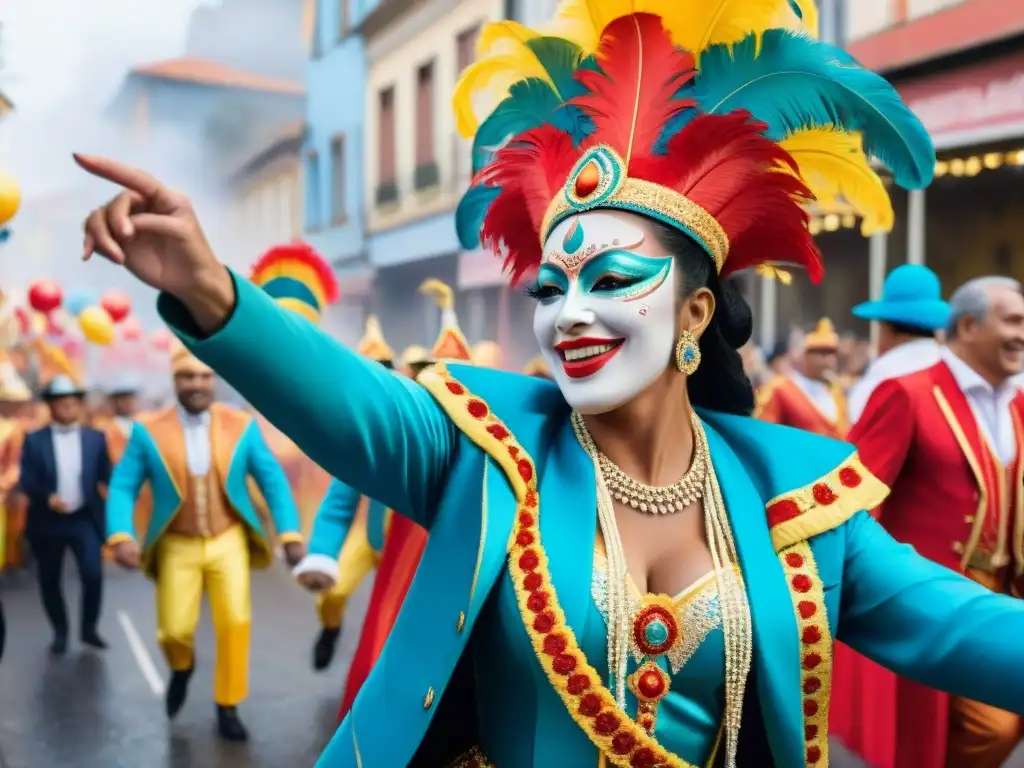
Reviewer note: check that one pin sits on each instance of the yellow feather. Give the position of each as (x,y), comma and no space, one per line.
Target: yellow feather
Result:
(491,76)
(808,21)
(497,33)
(696,25)
(833,164)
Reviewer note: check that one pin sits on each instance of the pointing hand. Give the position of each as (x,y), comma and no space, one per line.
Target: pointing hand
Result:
(153,232)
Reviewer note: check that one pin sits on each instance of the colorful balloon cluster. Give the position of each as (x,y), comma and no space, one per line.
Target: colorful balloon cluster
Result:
(97,320)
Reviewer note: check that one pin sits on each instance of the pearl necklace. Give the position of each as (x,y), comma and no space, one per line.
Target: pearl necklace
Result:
(653,499)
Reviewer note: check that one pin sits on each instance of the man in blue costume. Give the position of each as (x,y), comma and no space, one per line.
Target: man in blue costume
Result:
(348,535)
(204,534)
(622,566)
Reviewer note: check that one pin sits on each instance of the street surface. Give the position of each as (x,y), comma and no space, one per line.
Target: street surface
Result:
(105,710)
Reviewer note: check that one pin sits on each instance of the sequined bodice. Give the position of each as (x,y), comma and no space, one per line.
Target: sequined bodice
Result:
(522,720)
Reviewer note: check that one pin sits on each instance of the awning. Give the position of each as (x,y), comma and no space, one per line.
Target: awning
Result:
(975,104)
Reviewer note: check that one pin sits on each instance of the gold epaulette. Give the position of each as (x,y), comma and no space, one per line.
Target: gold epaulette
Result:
(825,504)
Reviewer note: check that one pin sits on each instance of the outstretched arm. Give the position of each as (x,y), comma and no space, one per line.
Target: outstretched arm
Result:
(125,483)
(330,529)
(365,425)
(929,623)
(266,470)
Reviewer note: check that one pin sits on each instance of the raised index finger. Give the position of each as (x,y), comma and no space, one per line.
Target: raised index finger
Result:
(119,173)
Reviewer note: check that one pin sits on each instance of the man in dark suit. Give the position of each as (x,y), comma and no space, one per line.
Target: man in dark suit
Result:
(65,469)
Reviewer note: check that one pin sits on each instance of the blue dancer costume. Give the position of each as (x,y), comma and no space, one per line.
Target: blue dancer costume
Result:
(720,126)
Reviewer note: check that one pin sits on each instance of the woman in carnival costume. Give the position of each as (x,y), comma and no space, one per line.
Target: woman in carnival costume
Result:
(623,568)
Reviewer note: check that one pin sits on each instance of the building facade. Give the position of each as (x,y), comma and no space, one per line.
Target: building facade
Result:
(332,155)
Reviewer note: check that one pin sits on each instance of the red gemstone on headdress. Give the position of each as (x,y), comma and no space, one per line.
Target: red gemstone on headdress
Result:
(587,180)
(651,685)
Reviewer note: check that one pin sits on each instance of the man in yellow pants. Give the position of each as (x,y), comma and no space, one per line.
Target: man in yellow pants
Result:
(204,534)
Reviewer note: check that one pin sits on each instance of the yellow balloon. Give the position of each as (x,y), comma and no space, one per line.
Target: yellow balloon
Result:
(96,325)
(10,198)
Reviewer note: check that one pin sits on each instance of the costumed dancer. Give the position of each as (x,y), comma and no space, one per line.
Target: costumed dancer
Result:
(204,535)
(348,535)
(622,566)
(909,314)
(949,441)
(14,395)
(810,397)
(406,539)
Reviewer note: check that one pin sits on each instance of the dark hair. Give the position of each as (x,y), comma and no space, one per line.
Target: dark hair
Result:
(720,383)
(911,330)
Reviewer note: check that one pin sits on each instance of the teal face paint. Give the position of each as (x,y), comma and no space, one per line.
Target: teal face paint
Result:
(631,276)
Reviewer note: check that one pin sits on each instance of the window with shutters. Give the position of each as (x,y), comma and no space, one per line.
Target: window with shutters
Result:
(387,186)
(339,202)
(465,47)
(426,160)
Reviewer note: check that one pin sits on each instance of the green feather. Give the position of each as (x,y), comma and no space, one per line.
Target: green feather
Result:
(794,82)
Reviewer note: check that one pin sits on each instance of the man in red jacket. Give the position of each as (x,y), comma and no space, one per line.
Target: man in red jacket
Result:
(949,442)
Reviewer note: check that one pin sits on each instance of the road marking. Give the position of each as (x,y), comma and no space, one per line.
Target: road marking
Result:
(146,665)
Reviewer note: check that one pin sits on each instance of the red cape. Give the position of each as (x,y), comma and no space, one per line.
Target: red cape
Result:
(401,557)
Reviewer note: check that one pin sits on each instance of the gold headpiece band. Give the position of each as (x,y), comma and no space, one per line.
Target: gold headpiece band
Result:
(598,180)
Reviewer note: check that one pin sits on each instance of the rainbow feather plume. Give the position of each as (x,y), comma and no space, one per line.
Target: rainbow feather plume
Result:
(298,278)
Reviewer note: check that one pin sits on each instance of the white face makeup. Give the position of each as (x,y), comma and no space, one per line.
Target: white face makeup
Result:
(606,309)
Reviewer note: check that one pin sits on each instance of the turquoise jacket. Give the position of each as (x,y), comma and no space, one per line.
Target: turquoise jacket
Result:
(481,448)
(156,454)
(334,520)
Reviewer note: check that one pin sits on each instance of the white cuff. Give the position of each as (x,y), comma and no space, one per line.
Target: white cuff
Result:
(317,564)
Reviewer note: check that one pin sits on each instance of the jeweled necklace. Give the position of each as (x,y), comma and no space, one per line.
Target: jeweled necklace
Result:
(654,499)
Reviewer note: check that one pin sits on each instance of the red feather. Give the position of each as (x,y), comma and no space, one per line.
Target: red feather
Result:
(725,164)
(530,170)
(299,251)
(634,94)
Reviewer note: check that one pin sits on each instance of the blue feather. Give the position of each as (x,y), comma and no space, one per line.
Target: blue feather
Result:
(470,213)
(530,103)
(795,82)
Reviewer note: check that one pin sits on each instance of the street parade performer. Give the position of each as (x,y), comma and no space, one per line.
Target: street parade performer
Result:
(348,536)
(809,397)
(204,534)
(949,441)
(406,540)
(622,567)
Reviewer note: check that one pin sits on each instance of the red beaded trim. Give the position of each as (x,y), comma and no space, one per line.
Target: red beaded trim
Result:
(824,504)
(808,595)
(589,702)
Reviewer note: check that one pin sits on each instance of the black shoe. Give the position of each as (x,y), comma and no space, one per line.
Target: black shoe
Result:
(59,646)
(177,690)
(229,726)
(323,649)
(93,640)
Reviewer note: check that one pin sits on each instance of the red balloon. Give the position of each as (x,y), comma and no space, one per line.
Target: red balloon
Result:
(130,329)
(117,304)
(45,296)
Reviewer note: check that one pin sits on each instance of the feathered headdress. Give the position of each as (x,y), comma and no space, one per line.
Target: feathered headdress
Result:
(451,343)
(373,344)
(722,118)
(297,277)
(823,338)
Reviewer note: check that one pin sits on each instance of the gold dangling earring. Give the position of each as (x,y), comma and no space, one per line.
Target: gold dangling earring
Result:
(687,353)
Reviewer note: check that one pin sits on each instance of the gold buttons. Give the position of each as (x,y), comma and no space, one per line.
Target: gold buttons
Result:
(461,623)
(429,698)
(958,547)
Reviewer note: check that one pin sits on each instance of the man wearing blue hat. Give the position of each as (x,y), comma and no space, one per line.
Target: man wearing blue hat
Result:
(908,314)
(65,467)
